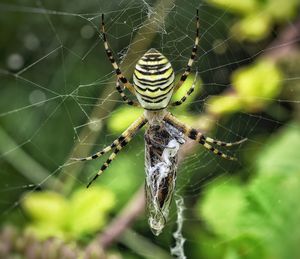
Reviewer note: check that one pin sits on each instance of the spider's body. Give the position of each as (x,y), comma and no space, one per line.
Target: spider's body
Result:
(153,80)
(153,85)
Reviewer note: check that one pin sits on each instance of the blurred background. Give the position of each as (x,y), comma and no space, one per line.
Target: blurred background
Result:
(58,101)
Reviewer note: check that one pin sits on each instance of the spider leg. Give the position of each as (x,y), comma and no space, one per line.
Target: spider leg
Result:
(188,93)
(191,60)
(200,138)
(124,96)
(110,56)
(115,143)
(131,130)
(109,160)
(128,135)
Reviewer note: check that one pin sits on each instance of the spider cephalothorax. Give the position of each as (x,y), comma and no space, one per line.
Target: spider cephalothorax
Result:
(153,85)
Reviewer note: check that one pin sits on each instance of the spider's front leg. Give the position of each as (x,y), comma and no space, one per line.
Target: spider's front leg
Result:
(200,138)
(124,96)
(111,58)
(188,68)
(191,60)
(188,93)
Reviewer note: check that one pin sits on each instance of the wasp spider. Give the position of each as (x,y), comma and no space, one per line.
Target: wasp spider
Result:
(153,85)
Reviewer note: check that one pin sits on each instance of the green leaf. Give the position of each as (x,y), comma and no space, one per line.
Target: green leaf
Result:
(44,230)
(257,16)
(284,145)
(216,203)
(48,207)
(252,27)
(236,6)
(260,219)
(54,215)
(122,117)
(257,84)
(275,213)
(224,104)
(282,10)
(88,209)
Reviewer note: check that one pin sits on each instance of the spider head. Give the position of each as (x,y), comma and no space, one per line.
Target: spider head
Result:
(153,80)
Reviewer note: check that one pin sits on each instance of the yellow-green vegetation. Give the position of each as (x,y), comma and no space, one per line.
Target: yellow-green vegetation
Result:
(255,87)
(258,84)
(258,219)
(257,17)
(70,218)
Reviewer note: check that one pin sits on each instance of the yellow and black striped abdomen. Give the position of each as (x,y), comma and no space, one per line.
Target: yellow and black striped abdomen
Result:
(153,80)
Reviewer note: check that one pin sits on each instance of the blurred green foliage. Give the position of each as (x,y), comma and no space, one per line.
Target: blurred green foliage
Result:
(258,219)
(257,17)
(255,87)
(257,84)
(54,215)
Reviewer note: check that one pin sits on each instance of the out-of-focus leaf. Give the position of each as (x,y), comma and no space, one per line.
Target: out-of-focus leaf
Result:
(43,230)
(88,209)
(224,104)
(216,204)
(122,117)
(260,219)
(286,144)
(282,10)
(258,17)
(257,84)
(236,6)
(47,207)
(274,213)
(53,215)
(252,27)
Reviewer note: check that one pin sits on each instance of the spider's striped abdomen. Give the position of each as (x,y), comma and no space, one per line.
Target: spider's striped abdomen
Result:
(153,80)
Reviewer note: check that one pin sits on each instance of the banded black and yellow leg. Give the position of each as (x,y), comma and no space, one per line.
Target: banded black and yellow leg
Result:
(104,150)
(191,60)
(124,96)
(188,93)
(200,138)
(110,56)
(216,151)
(110,159)
(222,143)
(128,135)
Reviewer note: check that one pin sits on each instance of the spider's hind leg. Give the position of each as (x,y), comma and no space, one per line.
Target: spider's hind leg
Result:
(112,60)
